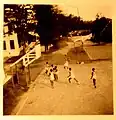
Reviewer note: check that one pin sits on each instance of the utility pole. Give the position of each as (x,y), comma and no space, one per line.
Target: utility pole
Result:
(77,11)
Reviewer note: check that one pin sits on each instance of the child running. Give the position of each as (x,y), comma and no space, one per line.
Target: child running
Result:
(93,77)
(46,68)
(66,65)
(71,76)
(55,70)
(51,78)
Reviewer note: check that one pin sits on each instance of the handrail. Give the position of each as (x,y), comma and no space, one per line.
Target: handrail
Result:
(22,57)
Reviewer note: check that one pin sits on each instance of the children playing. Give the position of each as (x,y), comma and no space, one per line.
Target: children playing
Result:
(52,71)
(71,76)
(93,77)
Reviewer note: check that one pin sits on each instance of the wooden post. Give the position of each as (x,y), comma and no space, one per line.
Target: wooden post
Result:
(17,74)
(82,41)
(28,57)
(29,72)
(23,61)
(13,78)
(26,74)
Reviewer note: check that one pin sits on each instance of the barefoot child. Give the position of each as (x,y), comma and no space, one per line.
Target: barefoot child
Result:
(52,78)
(55,70)
(93,77)
(66,65)
(71,76)
(46,68)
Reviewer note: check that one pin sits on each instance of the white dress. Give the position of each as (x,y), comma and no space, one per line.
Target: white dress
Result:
(51,76)
(66,64)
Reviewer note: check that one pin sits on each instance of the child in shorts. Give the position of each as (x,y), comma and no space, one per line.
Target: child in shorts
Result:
(93,77)
(55,70)
(71,76)
(46,68)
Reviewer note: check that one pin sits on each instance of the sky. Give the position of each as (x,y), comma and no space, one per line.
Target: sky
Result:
(87,9)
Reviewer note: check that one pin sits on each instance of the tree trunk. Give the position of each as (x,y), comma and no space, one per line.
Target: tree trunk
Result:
(46,48)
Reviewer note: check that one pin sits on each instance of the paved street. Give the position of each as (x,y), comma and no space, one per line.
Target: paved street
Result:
(72,99)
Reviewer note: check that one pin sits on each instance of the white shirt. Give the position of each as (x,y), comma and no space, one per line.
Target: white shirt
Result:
(94,75)
(71,74)
(47,67)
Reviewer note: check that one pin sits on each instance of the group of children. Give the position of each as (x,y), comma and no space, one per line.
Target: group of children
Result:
(70,72)
(71,75)
(52,72)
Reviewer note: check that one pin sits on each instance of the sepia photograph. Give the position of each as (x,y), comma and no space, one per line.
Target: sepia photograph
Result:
(57,59)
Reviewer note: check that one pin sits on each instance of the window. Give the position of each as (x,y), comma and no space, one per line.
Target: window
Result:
(4,45)
(12,44)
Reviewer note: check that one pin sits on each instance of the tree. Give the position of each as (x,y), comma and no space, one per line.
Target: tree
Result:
(102,29)
(18,17)
(51,24)
(44,17)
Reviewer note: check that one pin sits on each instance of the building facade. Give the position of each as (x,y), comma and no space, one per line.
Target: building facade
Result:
(10,43)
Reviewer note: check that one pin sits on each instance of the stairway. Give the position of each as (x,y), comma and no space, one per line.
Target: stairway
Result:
(25,60)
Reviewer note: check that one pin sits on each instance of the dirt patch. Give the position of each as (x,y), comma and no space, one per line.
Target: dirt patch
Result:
(11,97)
(78,54)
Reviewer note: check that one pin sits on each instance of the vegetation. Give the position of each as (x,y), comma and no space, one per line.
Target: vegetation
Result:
(102,29)
(18,18)
(50,23)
